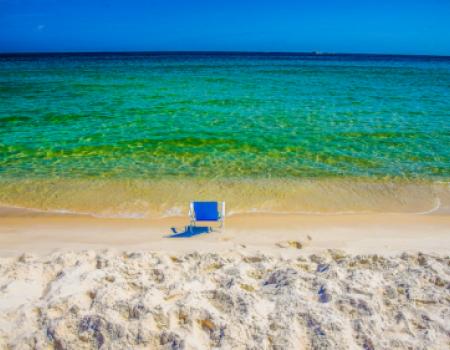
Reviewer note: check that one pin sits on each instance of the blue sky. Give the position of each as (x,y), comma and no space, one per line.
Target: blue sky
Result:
(383,26)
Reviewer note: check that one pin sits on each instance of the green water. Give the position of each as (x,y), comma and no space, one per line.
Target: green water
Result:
(222,117)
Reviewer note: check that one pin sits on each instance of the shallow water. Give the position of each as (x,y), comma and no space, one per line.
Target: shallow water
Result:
(117,133)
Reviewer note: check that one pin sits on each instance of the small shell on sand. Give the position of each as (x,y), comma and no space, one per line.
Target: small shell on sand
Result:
(290,244)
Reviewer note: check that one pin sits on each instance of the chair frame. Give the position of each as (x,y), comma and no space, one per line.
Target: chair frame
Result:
(221,218)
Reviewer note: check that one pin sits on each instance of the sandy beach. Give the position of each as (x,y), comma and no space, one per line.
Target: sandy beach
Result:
(264,282)
(387,234)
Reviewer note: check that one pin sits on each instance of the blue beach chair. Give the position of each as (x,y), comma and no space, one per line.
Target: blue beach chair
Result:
(201,212)
(207,211)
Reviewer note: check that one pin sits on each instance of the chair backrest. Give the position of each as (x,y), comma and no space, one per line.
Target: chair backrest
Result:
(206,211)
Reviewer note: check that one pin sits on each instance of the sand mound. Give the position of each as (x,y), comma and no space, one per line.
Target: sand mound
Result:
(231,301)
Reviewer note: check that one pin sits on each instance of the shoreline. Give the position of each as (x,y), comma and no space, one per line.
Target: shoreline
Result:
(148,199)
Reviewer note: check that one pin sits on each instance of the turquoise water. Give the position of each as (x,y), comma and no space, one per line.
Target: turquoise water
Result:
(239,117)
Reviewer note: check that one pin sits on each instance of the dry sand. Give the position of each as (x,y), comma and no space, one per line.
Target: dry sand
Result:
(25,231)
(264,282)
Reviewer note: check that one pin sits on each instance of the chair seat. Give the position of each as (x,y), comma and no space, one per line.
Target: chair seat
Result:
(206,211)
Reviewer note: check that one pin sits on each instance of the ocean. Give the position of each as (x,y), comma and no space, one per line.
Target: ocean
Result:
(142,134)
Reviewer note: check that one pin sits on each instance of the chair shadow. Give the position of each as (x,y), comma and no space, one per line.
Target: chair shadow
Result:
(189,231)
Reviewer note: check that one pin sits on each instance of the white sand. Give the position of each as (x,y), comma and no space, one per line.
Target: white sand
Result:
(231,300)
(265,282)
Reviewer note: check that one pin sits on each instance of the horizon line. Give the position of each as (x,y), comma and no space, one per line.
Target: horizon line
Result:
(310,53)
